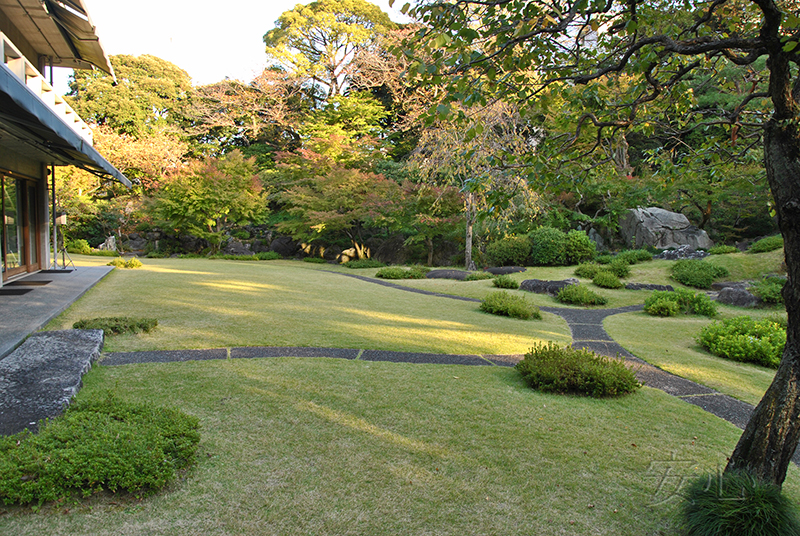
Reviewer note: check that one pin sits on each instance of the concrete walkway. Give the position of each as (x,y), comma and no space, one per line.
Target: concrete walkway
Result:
(48,294)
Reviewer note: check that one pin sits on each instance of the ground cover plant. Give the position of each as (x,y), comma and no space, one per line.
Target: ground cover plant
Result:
(116,325)
(398,272)
(664,303)
(745,339)
(364,263)
(317,260)
(580,295)
(513,305)
(697,273)
(737,503)
(344,454)
(770,243)
(98,444)
(552,368)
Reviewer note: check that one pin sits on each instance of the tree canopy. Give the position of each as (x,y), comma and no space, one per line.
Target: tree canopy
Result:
(530,51)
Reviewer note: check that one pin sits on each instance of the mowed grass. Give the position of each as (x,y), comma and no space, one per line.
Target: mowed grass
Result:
(203,303)
(320,446)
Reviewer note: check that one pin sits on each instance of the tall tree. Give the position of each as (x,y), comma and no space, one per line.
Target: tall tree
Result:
(149,93)
(518,48)
(319,40)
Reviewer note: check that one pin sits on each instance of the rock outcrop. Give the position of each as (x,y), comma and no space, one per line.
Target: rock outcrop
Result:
(661,229)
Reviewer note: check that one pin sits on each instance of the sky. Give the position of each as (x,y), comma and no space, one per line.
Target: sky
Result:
(209,40)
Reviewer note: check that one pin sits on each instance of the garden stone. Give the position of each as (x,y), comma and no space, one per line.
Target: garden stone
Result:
(648,286)
(661,229)
(458,275)
(505,270)
(284,245)
(683,252)
(235,247)
(595,237)
(719,285)
(738,297)
(541,286)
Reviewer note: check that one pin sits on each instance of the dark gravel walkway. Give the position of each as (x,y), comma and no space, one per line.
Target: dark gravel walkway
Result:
(587,330)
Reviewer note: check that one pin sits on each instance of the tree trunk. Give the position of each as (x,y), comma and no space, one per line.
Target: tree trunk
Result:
(468,262)
(771,436)
(429,243)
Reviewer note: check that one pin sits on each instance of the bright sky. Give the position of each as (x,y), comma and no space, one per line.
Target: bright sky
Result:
(209,40)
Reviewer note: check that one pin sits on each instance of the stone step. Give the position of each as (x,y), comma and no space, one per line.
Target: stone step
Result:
(40,377)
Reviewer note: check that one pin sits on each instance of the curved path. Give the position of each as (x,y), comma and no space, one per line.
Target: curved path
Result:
(586,326)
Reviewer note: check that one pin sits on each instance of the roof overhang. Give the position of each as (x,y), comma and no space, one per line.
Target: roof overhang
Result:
(61,30)
(29,127)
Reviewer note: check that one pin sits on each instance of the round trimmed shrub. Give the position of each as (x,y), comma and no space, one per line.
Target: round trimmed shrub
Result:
(478,276)
(580,295)
(605,279)
(662,306)
(684,301)
(505,304)
(78,246)
(505,281)
(738,504)
(619,268)
(551,368)
(509,251)
(697,273)
(579,247)
(744,339)
(634,256)
(723,250)
(604,259)
(548,247)
(769,243)
(364,263)
(588,270)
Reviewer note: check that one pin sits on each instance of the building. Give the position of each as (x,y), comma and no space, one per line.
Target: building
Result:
(38,129)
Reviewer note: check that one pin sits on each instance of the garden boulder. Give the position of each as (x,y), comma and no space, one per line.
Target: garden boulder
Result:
(541,286)
(661,229)
(737,296)
(505,270)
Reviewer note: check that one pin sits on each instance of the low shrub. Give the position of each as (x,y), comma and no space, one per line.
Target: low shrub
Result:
(604,259)
(551,368)
(241,234)
(119,262)
(723,250)
(505,281)
(737,503)
(634,256)
(661,306)
(478,276)
(697,273)
(744,339)
(268,256)
(685,300)
(588,270)
(769,289)
(606,279)
(100,444)
(548,247)
(580,295)
(505,304)
(364,263)
(579,247)
(78,246)
(314,260)
(619,268)
(509,251)
(769,243)
(117,325)
(398,272)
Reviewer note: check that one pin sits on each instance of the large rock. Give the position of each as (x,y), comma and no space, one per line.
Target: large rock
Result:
(284,245)
(661,229)
(109,245)
(540,286)
(737,296)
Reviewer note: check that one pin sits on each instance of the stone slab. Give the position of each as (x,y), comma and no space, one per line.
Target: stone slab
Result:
(40,377)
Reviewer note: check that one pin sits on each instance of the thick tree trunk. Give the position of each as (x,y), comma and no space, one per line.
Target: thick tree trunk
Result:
(772,434)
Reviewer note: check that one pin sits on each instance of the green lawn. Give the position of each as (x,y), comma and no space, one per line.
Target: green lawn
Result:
(322,446)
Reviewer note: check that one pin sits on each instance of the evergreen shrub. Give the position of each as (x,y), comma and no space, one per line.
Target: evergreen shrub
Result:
(744,339)
(634,256)
(398,272)
(662,306)
(116,325)
(769,289)
(551,368)
(697,273)
(580,295)
(722,250)
(588,270)
(119,262)
(99,444)
(604,259)
(685,300)
(509,251)
(548,247)
(364,263)
(619,268)
(505,281)
(605,279)
(505,304)
(478,276)
(579,247)
(78,246)
(268,256)
(738,504)
(769,243)
(314,260)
